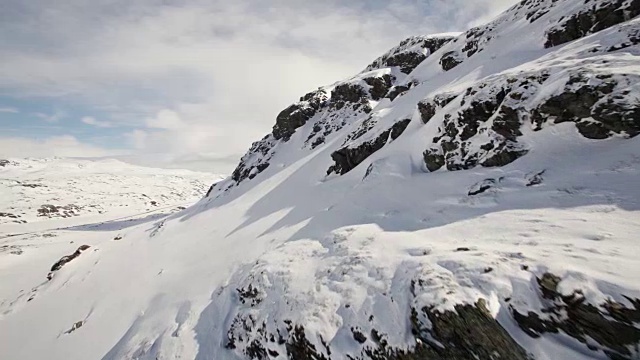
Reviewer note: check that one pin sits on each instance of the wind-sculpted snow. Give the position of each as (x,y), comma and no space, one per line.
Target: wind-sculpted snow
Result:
(480,202)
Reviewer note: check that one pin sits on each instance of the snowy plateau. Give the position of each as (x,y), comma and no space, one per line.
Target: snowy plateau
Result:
(471,195)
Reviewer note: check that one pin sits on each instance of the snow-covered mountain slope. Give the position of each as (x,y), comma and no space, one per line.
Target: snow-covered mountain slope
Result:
(42,189)
(474,198)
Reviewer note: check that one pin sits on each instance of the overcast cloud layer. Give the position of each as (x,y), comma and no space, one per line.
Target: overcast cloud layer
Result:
(189,84)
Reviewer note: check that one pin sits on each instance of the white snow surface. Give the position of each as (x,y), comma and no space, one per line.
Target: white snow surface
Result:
(335,253)
(92,187)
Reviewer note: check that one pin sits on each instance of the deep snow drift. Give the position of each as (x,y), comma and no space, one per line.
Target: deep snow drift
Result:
(466,196)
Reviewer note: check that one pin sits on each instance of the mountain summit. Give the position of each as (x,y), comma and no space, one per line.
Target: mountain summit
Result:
(465,196)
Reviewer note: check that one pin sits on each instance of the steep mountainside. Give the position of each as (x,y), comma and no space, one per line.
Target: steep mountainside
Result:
(466,196)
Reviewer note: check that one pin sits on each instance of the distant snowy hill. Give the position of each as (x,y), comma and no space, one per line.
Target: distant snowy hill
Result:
(465,196)
(41,189)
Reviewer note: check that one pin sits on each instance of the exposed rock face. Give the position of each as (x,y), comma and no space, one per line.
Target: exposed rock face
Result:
(599,16)
(410,52)
(256,160)
(492,115)
(65,259)
(347,100)
(596,104)
(610,325)
(297,114)
(351,156)
(474,38)
(345,94)
(379,86)
(298,347)
(467,333)
(450,60)
(482,186)
(428,108)
(452,147)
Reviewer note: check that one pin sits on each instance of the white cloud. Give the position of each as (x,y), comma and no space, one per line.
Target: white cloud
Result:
(165,119)
(137,138)
(8,110)
(63,146)
(51,118)
(89,120)
(205,77)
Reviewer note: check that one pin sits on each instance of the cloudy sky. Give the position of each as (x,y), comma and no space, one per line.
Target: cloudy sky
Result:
(187,83)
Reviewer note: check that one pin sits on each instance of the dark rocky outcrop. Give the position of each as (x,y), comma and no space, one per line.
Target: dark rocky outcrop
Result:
(482,186)
(298,347)
(347,158)
(507,123)
(479,105)
(77,325)
(263,345)
(379,85)
(535,178)
(262,150)
(427,111)
(397,91)
(597,109)
(32,185)
(494,113)
(610,325)
(345,94)
(469,332)
(63,211)
(450,60)
(66,259)
(398,128)
(211,188)
(410,53)
(600,15)
(250,295)
(428,108)
(347,100)
(358,336)
(297,114)
(9,215)
(474,37)
(506,154)
(433,160)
